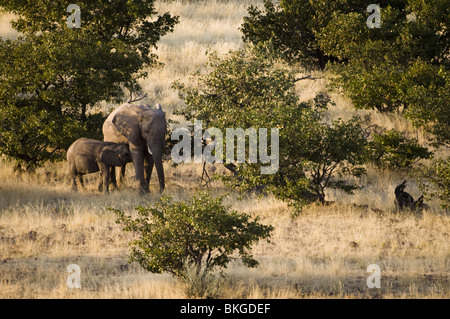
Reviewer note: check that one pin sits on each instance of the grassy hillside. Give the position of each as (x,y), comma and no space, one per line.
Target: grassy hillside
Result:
(323,253)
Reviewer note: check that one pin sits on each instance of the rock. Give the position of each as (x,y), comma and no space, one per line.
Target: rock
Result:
(32,235)
(353,244)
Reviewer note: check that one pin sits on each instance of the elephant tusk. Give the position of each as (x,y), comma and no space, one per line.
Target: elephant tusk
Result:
(150,151)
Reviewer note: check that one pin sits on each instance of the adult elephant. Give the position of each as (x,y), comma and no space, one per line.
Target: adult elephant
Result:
(143,128)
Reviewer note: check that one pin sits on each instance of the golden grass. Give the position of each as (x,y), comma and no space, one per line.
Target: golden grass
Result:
(6,31)
(323,253)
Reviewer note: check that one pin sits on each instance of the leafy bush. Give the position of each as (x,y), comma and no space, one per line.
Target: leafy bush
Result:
(434,180)
(402,66)
(201,232)
(52,77)
(426,92)
(287,32)
(293,26)
(324,153)
(251,89)
(392,150)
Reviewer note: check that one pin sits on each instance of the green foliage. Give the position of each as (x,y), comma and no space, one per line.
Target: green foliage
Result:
(54,76)
(434,180)
(250,89)
(426,91)
(403,65)
(293,27)
(282,30)
(201,232)
(321,154)
(289,31)
(392,150)
(245,89)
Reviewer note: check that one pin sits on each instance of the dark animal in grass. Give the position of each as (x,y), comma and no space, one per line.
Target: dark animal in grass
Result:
(403,200)
(89,156)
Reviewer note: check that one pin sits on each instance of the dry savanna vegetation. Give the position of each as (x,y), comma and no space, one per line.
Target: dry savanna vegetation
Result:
(323,252)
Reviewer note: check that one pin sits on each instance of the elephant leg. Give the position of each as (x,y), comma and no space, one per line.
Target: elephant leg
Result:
(137,155)
(156,156)
(122,176)
(106,182)
(80,180)
(105,177)
(160,171)
(112,177)
(100,184)
(149,167)
(74,183)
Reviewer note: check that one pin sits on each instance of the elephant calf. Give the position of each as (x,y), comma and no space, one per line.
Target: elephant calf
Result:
(89,156)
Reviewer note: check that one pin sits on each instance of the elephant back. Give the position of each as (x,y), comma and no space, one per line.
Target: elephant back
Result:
(115,128)
(123,125)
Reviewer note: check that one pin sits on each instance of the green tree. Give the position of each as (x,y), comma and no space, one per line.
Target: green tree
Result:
(426,91)
(392,150)
(434,180)
(293,27)
(250,89)
(289,28)
(402,66)
(53,76)
(201,232)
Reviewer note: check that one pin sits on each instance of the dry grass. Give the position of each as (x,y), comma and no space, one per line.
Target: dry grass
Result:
(6,31)
(323,253)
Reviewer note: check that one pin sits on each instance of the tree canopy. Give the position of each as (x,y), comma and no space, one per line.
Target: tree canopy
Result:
(250,89)
(53,76)
(401,66)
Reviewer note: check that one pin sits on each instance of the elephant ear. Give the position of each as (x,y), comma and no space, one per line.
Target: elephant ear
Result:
(110,157)
(127,123)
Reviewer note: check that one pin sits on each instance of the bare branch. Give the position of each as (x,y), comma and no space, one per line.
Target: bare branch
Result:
(210,94)
(308,77)
(137,99)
